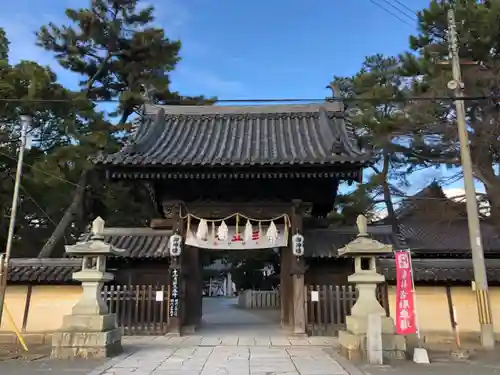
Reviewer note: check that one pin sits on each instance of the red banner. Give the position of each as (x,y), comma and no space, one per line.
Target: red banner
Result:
(405,310)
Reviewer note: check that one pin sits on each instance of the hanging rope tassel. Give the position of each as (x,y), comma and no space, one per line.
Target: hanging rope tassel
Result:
(248,234)
(214,235)
(237,231)
(188,225)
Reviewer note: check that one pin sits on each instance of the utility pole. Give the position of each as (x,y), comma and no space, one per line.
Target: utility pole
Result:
(4,267)
(481,281)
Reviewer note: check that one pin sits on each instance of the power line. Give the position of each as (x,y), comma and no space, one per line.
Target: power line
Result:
(406,7)
(40,208)
(404,12)
(395,15)
(36,204)
(398,196)
(275,100)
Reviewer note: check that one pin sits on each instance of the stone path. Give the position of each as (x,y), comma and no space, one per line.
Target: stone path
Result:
(227,360)
(222,316)
(230,340)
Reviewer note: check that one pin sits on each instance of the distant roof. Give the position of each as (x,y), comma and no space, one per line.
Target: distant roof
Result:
(325,243)
(446,237)
(45,270)
(431,204)
(432,224)
(139,242)
(59,271)
(442,270)
(218,136)
(153,243)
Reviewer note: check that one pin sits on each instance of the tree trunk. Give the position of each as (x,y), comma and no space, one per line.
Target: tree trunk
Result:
(391,215)
(483,171)
(492,189)
(67,218)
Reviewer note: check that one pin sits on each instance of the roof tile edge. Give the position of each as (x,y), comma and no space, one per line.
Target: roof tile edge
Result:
(152,109)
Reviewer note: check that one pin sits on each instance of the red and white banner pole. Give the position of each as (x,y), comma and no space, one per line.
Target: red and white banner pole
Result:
(406,322)
(406,304)
(415,309)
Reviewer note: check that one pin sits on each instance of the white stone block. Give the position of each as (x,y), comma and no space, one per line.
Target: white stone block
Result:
(421,356)
(374,340)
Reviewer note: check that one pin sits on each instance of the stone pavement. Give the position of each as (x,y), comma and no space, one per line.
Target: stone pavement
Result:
(164,359)
(229,340)
(223,317)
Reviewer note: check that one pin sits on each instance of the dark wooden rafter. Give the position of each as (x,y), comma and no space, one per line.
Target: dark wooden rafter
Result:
(348,173)
(216,210)
(258,199)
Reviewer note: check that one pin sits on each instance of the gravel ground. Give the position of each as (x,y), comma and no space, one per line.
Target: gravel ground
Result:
(442,363)
(54,367)
(15,352)
(14,360)
(441,368)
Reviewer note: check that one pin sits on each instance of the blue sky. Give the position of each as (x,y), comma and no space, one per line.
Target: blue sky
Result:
(247,49)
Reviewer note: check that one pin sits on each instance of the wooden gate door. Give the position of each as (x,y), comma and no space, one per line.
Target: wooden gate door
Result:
(327,314)
(140,309)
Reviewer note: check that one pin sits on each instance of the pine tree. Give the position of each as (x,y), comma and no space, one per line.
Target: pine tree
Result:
(479,49)
(113,44)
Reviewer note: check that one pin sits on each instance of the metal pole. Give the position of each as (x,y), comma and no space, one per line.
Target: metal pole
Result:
(25,124)
(482,296)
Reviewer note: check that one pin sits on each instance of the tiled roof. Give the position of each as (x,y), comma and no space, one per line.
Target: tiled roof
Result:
(324,243)
(313,134)
(139,242)
(59,271)
(446,236)
(48,270)
(432,270)
(430,205)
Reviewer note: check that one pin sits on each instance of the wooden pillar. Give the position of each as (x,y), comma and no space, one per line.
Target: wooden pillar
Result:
(175,304)
(172,211)
(298,271)
(192,277)
(299,315)
(289,285)
(285,287)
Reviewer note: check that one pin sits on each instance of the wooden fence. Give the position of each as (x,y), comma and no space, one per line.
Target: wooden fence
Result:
(327,316)
(140,309)
(259,299)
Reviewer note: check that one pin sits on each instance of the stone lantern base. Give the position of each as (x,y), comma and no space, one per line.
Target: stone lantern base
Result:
(353,341)
(87,336)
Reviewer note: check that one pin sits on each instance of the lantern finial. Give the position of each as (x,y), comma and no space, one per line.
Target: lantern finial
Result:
(98,227)
(362,224)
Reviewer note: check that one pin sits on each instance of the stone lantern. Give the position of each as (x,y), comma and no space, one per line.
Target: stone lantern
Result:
(355,339)
(90,331)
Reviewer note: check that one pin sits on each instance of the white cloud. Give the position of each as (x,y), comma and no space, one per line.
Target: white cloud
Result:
(20,31)
(20,28)
(172,15)
(456,194)
(205,82)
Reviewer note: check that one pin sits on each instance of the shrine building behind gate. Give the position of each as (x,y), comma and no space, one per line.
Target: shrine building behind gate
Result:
(239,177)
